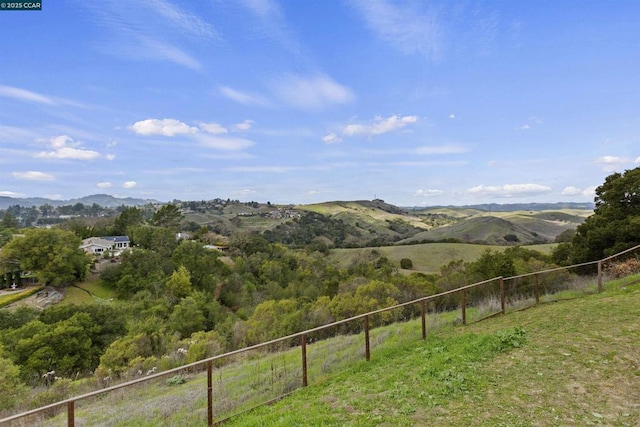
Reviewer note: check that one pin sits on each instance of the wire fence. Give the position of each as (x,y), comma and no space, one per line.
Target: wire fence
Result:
(220,387)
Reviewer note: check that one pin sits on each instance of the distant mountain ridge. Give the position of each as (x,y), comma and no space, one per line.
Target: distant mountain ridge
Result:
(104,200)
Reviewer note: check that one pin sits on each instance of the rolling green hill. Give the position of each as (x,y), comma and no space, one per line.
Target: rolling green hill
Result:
(370,223)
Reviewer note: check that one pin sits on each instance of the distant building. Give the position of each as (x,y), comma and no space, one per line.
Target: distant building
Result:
(100,245)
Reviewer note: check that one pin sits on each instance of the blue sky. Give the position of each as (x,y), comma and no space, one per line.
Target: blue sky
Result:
(414,102)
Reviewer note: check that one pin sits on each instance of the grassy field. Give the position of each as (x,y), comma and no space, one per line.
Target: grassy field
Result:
(426,257)
(86,292)
(571,362)
(578,366)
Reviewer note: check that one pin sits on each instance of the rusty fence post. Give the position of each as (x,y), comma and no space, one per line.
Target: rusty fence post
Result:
(71,416)
(210,393)
(424,320)
(502,296)
(464,307)
(367,346)
(303,346)
(536,288)
(599,276)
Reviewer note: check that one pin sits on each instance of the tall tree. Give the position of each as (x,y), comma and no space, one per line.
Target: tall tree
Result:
(168,216)
(615,223)
(129,217)
(54,255)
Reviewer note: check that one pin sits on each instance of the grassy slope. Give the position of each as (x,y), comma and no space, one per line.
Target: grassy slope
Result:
(580,366)
(427,257)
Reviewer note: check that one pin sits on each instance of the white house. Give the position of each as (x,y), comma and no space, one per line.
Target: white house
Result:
(100,245)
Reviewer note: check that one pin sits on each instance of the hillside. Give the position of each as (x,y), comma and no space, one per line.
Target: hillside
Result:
(572,362)
(578,366)
(504,228)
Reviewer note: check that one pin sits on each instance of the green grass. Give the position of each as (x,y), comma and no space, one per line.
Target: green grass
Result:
(571,362)
(427,257)
(578,366)
(86,292)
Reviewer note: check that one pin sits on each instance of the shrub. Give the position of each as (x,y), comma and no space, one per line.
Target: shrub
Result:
(624,268)
(406,263)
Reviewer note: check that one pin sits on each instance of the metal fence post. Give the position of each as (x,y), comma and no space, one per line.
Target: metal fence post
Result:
(303,346)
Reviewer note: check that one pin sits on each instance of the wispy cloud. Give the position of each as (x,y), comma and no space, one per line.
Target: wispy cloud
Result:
(379,125)
(243,98)
(406,27)
(509,190)
(33,176)
(29,96)
(129,184)
(104,185)
(151,30)
(312,93)
(64,147)
(269,23)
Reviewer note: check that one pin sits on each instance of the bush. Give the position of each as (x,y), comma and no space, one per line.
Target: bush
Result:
(624,268)
(406,263)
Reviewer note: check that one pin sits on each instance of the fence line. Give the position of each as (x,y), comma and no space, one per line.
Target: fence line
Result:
(208,362)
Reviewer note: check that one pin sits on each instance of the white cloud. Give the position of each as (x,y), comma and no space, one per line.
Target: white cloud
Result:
(243,126)
(380,125)
(166,127)
(104,185)
(33,176)
(11,194)
(331,138)
(612,163)
(637,160)
(405,27)
(213,128)
(129,184)
(589,191)
(525,127)
(571,191)
(312,93)
(110,156)
(427,193)
(575,191)
(224,143)
(64,147)
(452,116)
(508,190)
